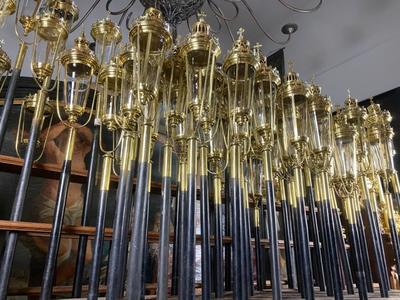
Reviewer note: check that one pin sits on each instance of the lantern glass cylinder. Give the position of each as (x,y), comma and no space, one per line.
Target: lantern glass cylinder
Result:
(377,156)
(389,151)
(77,81)
(240,82)
(151,48)
(320,129)
(346,159)
(111,97)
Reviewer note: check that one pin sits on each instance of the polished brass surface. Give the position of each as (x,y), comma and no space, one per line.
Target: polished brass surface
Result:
(106,172)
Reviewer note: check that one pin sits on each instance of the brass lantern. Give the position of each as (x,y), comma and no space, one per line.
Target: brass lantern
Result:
(80,66)
(7,8)
(27,110)
(293,106)
(51,30)
(319,117)
(110,77)
(174,93)
(265,92)
(151,40)
(239,67)
(346,148)
(200,51)
(107,36)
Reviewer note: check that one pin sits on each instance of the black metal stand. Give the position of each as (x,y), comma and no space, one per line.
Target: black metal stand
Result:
(83,239)
(162,273)
(100,224)
(59,210)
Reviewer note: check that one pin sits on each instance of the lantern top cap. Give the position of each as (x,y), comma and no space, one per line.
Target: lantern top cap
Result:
(292,84)
(152,21)
(240,53)
(106,30)
(264,71)
(201,26)
(350,101)
(5,61)
(199,42)
(318,102)
(80,54)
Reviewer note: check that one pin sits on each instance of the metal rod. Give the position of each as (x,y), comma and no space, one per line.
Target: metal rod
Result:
(247,235)
(228,222)
(334,257)
(234,191)
(177,227)
(355,248)
(374,229)
(127,217)
(263,235)
(58,218)
(303,235)
(272,226)
(205,226)
(364,249)
(100,225)
(257,237)
(219,259)
(163,254)
(11,87)
(294,216)
(186,273)
(315,233)
(290,268)
(83,239)
(135,280)
(20,195)
(322,212)
(244,249)
(115,267)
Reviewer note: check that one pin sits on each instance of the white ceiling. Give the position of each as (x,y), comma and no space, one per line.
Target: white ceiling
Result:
(346,44)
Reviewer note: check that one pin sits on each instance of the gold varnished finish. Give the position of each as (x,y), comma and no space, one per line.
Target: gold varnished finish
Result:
(183,184)
(192,156)
(144,152)
(5,61)
(69,151)
(203,160)
(51,28)
(106,172)
(240,54)
(106,31)
(257,217)
(19,61)
(349,213)
(9,8)
(80,56)
(167,161)
(152,22)
(217,190)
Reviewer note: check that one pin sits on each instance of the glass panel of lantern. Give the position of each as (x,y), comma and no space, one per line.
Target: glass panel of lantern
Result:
(346,148)
(319,111)
(5,66)
(174,93)
(50,35)
(267,80)
(107,36)
(387,142)
(239,67)
(110,77)
(151,40)
(293,104)
(80,65)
